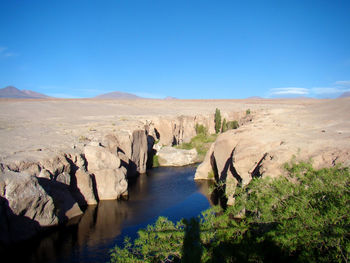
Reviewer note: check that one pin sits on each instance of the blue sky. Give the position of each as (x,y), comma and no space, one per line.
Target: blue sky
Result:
(185,49)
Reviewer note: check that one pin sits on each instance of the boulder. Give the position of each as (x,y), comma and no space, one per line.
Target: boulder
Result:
(205,168)
(98,158)
(170,156)
(83,188)
(65,204)
(111,184)
(139,150)
(105,168)
(56,165)
(132,147)
(25,207)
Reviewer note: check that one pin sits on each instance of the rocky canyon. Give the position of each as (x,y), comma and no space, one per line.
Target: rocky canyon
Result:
(58,156)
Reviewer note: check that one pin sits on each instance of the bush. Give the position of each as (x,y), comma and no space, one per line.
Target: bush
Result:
(300,218)
(247,112)
(201,129)
(231,125)
(155,161)
(217,119)
(201,143)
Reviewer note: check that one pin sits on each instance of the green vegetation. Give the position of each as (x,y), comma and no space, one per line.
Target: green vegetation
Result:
(201,129)
(230,125)
(217,119)
(224,126)
(155,161)
(303,217)
(247,112)
(201,143)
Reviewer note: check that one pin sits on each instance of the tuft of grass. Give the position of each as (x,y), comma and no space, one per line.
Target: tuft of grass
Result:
(83,138)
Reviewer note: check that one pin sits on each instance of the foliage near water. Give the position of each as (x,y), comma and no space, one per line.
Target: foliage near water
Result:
(303,217)
(201,142)
(155,162)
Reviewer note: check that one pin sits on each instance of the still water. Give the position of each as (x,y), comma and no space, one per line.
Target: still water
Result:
(164,191)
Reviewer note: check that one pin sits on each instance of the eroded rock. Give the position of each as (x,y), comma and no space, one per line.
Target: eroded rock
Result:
(25,207)
(107,172)
(170,156)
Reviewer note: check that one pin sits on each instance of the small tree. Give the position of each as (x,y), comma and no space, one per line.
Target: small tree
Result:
(217,120)
(224,125)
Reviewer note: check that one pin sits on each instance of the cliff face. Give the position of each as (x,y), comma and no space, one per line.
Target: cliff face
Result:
(260,148)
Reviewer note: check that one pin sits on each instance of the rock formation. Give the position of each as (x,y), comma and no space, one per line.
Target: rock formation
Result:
(170,156)
(25,207)
(263,146)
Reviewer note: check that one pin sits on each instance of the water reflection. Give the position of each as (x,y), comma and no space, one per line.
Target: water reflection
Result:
(166,191)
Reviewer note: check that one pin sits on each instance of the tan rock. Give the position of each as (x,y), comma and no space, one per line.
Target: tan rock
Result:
(56,165)
(205,168)
(25,207)
(111,184)
(261,147)
(139,150)
(170,156)
(84,188)
(99,158)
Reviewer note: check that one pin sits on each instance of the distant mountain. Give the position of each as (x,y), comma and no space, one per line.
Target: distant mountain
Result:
(254,98)
(12,92)
(170,98)
(345,95)
(118,95)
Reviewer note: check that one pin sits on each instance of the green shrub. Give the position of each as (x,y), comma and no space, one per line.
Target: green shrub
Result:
(217,119)
(300,218)
(247,112)
(201,129)
(155,161)
(231,125)
(201,143)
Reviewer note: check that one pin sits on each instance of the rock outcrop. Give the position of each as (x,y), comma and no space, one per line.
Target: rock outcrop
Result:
(25,207)
(105,167)
(170,156)
(132,148)
(178,130)
(263,146)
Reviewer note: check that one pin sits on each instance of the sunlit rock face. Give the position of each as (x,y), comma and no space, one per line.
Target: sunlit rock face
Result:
(262,146)
(170,156)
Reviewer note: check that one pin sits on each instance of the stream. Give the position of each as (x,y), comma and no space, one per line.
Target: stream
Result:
(164,191)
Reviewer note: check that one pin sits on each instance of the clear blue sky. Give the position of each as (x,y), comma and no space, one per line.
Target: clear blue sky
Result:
(186,49)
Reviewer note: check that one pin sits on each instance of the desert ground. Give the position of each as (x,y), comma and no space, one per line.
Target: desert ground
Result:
(35,128)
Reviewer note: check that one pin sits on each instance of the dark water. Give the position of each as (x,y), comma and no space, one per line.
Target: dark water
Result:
(165,191)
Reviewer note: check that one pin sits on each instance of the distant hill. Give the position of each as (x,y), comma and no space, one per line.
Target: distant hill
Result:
(345,95)
(118,95)
(170,98)
(12,92)
(254,98)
